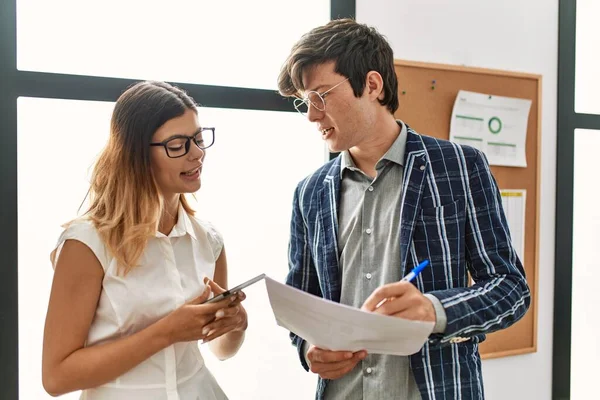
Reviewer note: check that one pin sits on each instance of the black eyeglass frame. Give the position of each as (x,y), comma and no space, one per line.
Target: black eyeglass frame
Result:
(187,142)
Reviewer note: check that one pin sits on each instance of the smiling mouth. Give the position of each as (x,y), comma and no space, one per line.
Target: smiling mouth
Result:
(191,172)
(326,130)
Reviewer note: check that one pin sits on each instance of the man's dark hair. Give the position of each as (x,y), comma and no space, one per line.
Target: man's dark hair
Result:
(355,48)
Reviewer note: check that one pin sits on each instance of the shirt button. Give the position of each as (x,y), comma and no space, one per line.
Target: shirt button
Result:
(370,188)
(368,231)
(368,276)
(368,370)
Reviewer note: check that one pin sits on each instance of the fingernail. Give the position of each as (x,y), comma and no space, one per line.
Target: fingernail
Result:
(220,313)
(205,331)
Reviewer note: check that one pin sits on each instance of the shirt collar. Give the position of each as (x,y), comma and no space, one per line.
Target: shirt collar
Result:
(182,227)
(395,153)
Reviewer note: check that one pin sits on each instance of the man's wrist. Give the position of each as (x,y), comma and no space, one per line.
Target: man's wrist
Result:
(440,314)
(305,348)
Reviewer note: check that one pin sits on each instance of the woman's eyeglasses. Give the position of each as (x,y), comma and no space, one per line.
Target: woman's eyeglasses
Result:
(179,146)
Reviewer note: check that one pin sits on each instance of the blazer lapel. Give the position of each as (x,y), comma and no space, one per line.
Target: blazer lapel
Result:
(326,241)
(415,169)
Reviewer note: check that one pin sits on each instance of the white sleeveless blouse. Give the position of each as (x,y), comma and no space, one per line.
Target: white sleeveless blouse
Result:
(170,273)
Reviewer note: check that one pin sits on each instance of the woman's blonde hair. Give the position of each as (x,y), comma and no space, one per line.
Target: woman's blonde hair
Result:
(125,202)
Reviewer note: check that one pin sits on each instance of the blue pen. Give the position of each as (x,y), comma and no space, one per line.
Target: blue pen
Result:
(409,277)
(416,271)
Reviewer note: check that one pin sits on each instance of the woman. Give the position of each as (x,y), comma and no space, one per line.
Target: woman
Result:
(125,310)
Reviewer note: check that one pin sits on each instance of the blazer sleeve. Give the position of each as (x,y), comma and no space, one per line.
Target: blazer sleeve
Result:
(500,295)
(302,273)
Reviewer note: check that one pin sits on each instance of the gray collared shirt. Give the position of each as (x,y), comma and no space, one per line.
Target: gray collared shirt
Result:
(369,245)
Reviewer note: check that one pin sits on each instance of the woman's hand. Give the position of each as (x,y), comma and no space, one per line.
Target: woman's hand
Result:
(190,321)
(232,318)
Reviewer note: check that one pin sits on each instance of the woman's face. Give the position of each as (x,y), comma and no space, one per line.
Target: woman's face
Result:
(180,174)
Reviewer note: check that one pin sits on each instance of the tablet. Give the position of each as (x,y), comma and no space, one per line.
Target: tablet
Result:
(234,290)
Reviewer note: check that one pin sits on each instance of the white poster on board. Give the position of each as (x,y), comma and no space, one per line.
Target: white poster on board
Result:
(495,125)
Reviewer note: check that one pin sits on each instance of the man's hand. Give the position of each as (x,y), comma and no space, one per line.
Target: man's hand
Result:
(332,364)
(400,299)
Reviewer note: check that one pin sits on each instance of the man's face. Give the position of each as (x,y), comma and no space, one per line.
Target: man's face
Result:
(345,120)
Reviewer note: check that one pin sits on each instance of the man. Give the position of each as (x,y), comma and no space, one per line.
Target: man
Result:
(390,200)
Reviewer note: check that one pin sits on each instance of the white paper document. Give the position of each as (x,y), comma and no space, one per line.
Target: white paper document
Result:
(513,202)
(495,125)
(333,326)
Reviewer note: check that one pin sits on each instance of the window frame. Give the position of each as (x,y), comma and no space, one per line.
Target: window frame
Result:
(567,121)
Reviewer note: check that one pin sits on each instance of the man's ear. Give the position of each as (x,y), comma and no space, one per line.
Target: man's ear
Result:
(374,85)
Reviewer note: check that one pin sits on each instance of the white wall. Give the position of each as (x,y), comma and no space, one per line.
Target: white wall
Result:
(513,35)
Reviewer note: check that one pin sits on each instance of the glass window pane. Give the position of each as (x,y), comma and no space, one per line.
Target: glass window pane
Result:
(240,43)
(247,191)
(248,183)
(587,62)
(52,182)
(586,265)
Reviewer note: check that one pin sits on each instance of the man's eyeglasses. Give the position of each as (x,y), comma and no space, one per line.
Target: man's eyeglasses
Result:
(313,98)
(179,146)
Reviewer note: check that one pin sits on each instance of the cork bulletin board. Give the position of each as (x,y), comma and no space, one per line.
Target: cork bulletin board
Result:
(427,93)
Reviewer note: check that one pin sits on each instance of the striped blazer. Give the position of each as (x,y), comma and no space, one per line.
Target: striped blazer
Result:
(451,214)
